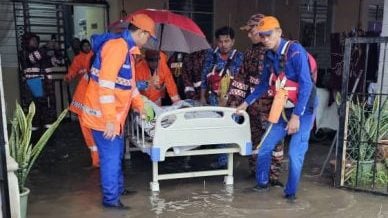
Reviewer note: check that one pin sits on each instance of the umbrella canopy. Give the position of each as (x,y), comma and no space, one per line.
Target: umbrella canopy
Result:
(175,32)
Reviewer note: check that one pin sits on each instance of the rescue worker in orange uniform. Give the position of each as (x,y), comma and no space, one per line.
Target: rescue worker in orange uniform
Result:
(153,75)
(79,68)
(110,94)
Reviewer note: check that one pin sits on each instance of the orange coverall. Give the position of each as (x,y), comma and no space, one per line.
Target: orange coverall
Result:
(79,68)
(156,83)
(103,103)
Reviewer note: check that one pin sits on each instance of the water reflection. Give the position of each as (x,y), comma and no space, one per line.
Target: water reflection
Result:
(194,203)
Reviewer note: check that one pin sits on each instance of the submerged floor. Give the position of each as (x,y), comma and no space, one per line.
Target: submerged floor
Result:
(63,186)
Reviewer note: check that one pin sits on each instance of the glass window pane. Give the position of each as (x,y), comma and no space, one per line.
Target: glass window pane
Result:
(205,22)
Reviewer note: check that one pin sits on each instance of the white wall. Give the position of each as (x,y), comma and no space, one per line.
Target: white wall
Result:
(94,19)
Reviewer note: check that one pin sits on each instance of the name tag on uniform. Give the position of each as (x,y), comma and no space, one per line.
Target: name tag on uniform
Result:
(176,65)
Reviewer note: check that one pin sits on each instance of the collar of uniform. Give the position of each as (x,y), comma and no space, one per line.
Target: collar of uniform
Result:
(135,50)
(219,52)
(128,38)
(276,56)
(279,50)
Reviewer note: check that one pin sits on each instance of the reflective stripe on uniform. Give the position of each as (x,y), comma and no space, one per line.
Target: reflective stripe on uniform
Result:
(106,84)
(31,57)
(93,148)
(240,85)
(284,48)
(94,71)
(105,99)
(135,92)
(189,89)
(211,73)
(29,76)
(119,81)
(290,88)
(237,92)
(91,111)
(126,66)
(197,84)
(32,70)
(277,153)
(254,80)
(175,98)
(122,81)
(77,104)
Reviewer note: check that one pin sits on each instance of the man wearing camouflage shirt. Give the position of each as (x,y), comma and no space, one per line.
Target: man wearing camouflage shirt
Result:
(244,84)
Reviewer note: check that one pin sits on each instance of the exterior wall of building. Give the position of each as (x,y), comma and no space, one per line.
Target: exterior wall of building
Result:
(11,89)
(384,82)
(237,12)
(8,55)
(348,9)
(93,21)
(232,12)
(115,6)
(355,16)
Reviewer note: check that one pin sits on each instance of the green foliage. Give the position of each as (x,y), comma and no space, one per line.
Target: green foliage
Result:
(366,127)
(20,147)
(366,178)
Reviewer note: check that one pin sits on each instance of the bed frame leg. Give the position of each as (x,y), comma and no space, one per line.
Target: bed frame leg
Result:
(228,180)
(154,185)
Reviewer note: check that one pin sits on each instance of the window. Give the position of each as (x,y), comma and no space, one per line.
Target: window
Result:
(313,22)
(375,16)
(200,11)
(8,50)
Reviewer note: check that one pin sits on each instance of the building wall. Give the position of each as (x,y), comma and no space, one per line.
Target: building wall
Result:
(237,12)
(384,81)
(11,89)
(346,14)
(115,6)
(345,9)
(232,12)
(8,55)
(94,20)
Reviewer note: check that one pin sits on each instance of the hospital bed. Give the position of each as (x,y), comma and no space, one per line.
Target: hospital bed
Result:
(180,133)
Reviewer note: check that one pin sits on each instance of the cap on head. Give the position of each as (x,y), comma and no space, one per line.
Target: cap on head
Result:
(144,22)
(252,22)
(267,25)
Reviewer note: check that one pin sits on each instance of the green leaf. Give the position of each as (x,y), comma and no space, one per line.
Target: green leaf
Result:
(20,145)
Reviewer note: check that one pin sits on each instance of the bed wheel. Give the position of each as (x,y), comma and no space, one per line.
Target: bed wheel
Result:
(228,180)
(154,186)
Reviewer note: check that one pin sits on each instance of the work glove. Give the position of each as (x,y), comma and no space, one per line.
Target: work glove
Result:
(142,85)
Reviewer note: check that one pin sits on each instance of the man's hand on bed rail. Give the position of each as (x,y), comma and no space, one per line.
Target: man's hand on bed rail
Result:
(242,107)
(143,114)
(109,132)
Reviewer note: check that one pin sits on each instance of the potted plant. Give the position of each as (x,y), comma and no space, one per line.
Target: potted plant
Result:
(367,127)
(21,149)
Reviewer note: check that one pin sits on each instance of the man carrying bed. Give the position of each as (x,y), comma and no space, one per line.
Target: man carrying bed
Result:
(284,71)
(109,95)
(243,84)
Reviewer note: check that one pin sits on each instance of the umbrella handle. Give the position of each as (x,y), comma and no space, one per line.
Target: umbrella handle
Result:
(161,36)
